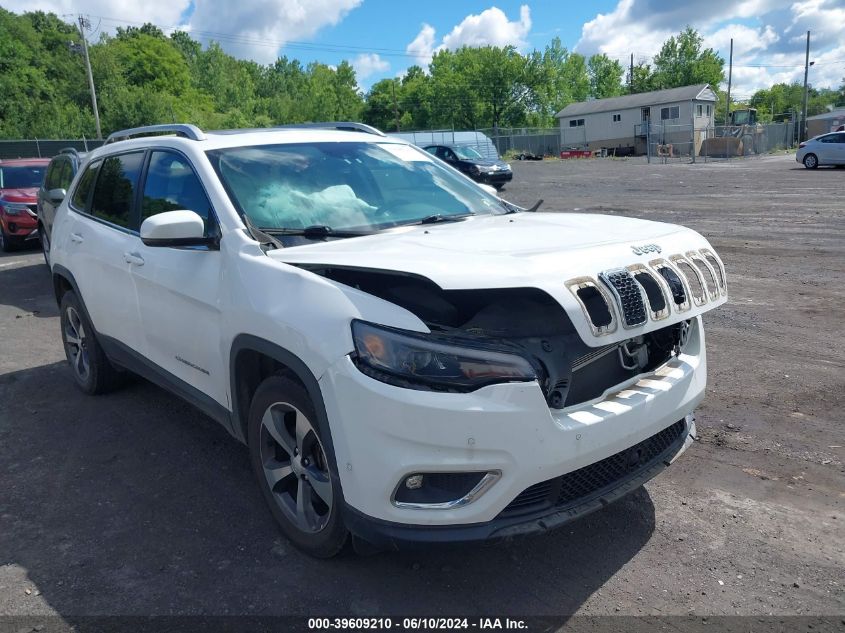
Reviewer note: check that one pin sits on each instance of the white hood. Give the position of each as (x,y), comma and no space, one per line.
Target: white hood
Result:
(540,250)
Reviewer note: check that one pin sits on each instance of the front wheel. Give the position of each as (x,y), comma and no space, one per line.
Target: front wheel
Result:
(810,161)
(292,467)
(7,242)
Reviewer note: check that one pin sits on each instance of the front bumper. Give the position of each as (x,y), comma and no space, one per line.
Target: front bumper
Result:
(22,227)
(494,177)
(382,433)
(395,536)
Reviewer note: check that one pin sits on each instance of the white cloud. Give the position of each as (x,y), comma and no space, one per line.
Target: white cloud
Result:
(250,29)
(161,12)
(422,46)
(263,26)
(770,53)
(491,27)
(746,39)
(368,64)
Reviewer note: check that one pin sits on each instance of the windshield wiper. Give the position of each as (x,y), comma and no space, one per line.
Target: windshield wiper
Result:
(535,207)
(314,232)
(439,217)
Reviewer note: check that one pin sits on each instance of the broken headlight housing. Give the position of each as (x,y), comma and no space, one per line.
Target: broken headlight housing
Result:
(421,361)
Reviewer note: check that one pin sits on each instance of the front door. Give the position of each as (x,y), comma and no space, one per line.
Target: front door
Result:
(179,287)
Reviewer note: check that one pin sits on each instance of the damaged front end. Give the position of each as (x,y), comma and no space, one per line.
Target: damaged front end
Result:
(482,337)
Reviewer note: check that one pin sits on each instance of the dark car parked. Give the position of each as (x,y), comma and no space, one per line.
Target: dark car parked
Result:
(473,164)
(60,173)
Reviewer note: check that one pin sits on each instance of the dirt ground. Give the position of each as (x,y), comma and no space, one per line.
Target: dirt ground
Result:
(135,503)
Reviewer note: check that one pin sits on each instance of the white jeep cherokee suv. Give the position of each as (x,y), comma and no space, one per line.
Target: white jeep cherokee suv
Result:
(408,357)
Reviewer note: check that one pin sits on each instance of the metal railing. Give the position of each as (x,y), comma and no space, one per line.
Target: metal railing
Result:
(43,148)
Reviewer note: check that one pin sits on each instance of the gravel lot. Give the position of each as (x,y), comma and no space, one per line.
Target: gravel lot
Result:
(135,503)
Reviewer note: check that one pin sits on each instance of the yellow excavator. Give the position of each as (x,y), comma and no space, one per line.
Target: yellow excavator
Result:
(744,136)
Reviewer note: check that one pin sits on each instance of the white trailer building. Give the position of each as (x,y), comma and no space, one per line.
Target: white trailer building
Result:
(625,123)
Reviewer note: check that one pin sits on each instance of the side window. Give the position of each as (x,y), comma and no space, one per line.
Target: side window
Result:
(449,154)
(65,175)
(83,188)
(52,178)
(173,185)
(114,193)
(431,150)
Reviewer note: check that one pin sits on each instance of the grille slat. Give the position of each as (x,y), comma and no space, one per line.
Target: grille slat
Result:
(588,481)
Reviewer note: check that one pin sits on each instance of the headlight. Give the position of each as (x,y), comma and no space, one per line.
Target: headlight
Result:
(420,361)
(14,208)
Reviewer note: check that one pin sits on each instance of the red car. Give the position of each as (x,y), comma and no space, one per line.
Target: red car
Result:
(19,182)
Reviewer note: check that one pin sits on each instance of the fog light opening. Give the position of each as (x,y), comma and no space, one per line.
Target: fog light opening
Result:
(414,482)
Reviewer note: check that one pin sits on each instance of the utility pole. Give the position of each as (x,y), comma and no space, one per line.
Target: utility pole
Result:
(730,77)
(84,24)
(802,134)
(631,76)
(395,105)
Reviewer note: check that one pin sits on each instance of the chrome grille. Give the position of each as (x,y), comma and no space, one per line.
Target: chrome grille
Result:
(628,295)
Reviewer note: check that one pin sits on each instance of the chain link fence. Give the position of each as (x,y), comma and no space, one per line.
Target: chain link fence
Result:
(43,148)
(667,143)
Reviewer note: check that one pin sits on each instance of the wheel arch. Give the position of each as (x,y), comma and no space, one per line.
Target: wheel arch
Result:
(251,360)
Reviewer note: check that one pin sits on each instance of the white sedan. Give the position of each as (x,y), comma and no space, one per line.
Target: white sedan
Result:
(827,149)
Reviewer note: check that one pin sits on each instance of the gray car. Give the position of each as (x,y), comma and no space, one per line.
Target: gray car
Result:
(60,173)
(827,149)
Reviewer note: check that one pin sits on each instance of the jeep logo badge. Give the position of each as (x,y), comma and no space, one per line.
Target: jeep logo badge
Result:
(645,248)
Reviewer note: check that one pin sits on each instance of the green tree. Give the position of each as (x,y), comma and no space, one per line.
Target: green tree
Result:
(682,62)
(605,76)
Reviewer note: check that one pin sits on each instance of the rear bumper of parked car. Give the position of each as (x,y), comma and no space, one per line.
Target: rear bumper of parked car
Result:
(547,466)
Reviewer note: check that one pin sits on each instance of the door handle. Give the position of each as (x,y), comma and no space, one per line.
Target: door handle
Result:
(133,258)
(77,237)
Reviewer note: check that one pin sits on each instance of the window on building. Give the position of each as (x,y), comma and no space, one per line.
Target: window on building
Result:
(699,110)
(576,123)
(673,112)
(708,110)
(617,118)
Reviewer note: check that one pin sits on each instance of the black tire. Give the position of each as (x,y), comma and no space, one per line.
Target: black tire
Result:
(45,244)
(7,242)
(811,161)
(91,369)
(295,483)
(499,187)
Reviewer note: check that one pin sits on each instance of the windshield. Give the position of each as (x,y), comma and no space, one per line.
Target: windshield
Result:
(467,153)
(21,177)
(345,186)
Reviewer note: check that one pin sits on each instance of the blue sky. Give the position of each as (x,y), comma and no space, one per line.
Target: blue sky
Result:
(382,37)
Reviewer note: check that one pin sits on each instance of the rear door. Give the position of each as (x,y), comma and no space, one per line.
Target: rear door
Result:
(179,287)
(101,238)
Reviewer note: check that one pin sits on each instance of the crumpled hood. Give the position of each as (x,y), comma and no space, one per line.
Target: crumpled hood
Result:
(540,250)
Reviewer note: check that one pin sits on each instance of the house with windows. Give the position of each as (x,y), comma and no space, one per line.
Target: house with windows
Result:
(626,124)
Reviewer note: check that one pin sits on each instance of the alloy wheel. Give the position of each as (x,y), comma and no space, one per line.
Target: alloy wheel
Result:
(76,342)
(810,161)
(295,467)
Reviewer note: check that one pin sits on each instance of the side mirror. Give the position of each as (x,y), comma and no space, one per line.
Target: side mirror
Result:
(489,189)
(56,195)
(175,228)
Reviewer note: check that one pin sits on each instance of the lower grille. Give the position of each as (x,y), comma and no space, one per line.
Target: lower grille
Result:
(578,486)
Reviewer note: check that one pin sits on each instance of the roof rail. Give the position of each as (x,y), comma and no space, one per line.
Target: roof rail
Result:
(346,126)
(69,150)
(185,130)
